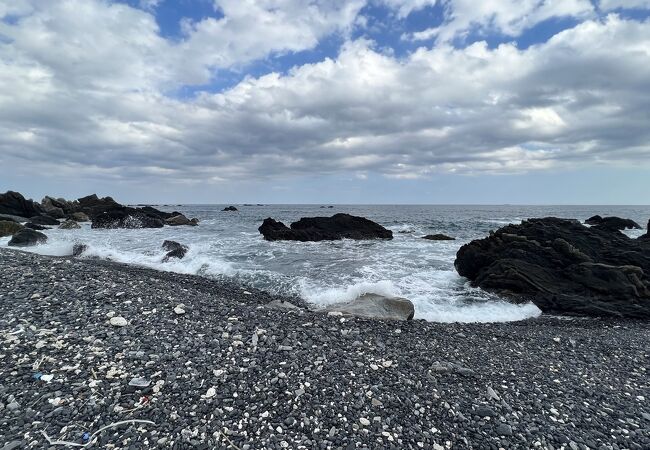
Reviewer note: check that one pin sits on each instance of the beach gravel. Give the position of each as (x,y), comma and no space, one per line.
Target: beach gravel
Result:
(232,373)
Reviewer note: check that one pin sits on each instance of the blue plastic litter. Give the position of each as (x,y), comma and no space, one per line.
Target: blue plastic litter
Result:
(37,376)
(85,437)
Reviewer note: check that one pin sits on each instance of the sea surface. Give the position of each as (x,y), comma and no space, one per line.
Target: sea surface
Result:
(228,245)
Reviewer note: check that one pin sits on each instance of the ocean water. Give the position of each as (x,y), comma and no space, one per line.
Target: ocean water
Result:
(228,245)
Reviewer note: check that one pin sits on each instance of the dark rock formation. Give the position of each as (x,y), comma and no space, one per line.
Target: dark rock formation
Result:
(36,227)
(339,226)
(230,208)
(78,249)
(44,219)
(27,237)
(646,236)
(92,206)
(174,250)
(438,237)
(150,210)
(126,218)
(612,223)
(373,306)
(9,228)
(55,206)
(69,225)
(13,203)
(562,267)
(107,213)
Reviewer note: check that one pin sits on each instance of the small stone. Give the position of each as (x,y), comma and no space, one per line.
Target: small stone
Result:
(376,402)
(492,395)
(285,348)
(13,406)
(118,321)
(504,429)
(211,393)
(484,411)
(178,310)
(363,421)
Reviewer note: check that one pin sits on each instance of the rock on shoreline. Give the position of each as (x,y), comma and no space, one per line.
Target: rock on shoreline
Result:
(231,372)
(103,212)
(563,267)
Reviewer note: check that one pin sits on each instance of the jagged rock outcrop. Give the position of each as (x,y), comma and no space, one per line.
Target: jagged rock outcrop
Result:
(230,208)
(13,203)
(563,267)
(339,226)
(174,250)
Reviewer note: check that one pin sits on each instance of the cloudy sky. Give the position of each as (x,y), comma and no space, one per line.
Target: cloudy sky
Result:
(337,101)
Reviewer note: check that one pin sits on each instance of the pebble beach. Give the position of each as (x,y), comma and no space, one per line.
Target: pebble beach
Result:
(95,354)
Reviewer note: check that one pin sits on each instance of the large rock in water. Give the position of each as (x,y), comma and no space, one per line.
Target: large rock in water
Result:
(563,267)
(373,306)
(15,204)
(27,237)
(126,218)
(339,226)
(180,219)
(174,250)
(612,223)
(9,228)
(438,237)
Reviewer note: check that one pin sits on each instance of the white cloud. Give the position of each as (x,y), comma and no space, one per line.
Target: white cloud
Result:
(86,98)
(508,17)
(609,5)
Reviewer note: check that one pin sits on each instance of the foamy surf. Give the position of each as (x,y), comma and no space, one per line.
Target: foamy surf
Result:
(323,273)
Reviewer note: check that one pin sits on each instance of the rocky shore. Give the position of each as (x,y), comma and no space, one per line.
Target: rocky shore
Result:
(112,356)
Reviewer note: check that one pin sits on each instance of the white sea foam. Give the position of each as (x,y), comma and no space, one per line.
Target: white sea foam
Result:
(324,296)
(323,273)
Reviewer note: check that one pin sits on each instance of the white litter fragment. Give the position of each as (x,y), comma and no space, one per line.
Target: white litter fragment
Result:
(211,393)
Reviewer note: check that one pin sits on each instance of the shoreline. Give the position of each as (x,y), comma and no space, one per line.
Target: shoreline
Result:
(232,373)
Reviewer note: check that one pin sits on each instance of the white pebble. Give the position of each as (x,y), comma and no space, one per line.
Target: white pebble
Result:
(118,321)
